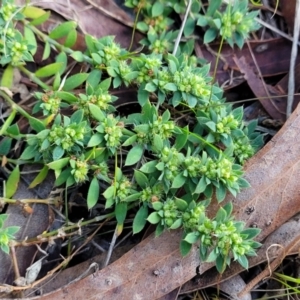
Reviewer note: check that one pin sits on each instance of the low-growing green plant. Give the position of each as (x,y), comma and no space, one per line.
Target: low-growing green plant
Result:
(6,233)
(184,145)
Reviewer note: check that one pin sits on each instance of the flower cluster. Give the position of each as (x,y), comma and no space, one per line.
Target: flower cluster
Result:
(108,50)
(112,130)
(80,169)
(50,104)
(226,124)
(7,10)
(147,68)
(191,218)
(192,166)
(171,160)
(237,20)
(152,194)
(242,149)
(67,136)
(163,129)
(18,50)
(189,82)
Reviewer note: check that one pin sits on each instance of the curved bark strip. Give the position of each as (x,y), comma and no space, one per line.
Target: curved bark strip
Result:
(155,266)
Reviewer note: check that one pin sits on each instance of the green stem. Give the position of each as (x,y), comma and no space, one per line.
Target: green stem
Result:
(134,27)
(202,140)
(41,201)
(8,122)
(20,162)
(16,107)
(33,78)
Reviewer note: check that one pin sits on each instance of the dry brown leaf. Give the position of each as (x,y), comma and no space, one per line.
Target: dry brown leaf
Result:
(274,106)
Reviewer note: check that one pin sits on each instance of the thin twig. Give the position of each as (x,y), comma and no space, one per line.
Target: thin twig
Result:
(111,247)
(291,88)
(181,28)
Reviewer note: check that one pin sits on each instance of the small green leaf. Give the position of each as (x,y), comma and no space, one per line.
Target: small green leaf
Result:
(243,183)
(202,21)
(5,145)
(47,51)
(63,177)
(220,264)
(78,56)
(157,9)
(149,167)
(192,237)
(36,124)
(157,205)
(13,130)
(189,27)
(41,19)
(158,143)
(201,186)
(154,218)
(251,232)
(143,96)
(12,182)
(71,39)
(93,193)
(150,87)
(243,261)
(181,140)
(94,78)
(209,35)
(176,224)
(221,215)
(159,229)
(212,256)
(141,179)
(40,177)
(5,248)
(30,39)
(171,87)
(62,30)
(134,155)
(185,248)
(75,81)
(58,152)
(109,192)
(95,140)
(132,197)
(59,164)
(221,192)
(105,84)
(33,12)
(77,116)
(7,76)
(28,153)
(130,140)
(68,97)
(140,219)
(228,208)
(181,204)
(96,112)
(178,181)
(49,70)
(121,212)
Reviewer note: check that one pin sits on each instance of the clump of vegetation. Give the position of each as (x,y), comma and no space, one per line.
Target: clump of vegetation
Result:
(177,165)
